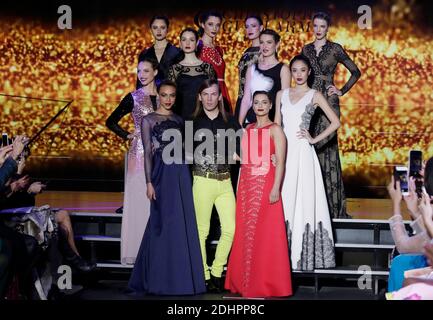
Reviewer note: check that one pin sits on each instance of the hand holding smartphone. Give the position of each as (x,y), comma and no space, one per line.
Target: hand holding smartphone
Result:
(401,175)
(415,167)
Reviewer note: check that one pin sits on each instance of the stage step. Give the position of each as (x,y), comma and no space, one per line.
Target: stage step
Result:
(96,214)
(96,238)
(340,271)
(358,242)
(215,242)
(365,246)
(114,265)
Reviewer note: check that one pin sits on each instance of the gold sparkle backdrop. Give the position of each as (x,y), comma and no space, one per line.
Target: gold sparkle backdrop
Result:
(386,113)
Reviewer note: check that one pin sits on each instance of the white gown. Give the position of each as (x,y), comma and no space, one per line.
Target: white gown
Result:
(304,199)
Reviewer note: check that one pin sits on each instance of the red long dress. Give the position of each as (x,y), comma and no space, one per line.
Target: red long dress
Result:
(259,264)
(214,56)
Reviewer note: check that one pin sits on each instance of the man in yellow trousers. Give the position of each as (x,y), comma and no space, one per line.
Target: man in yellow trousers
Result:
(211,174)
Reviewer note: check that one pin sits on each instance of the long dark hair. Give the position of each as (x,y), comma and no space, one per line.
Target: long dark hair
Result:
(300,57)
(199,109)
(181,55)
(202,17)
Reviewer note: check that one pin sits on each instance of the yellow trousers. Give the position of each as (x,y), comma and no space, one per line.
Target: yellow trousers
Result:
(208,192)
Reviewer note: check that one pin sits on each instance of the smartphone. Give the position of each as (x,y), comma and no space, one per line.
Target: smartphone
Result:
(401,174)
(5,140)
(415,163)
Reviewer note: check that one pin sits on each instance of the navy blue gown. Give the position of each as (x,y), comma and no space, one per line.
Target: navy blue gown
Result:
(169,260)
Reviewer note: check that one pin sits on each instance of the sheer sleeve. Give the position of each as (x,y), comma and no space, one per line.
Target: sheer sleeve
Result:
(418,225)
(171,74)
(146,138)
(351,66)
(125,107)
(211,72)
(403,242)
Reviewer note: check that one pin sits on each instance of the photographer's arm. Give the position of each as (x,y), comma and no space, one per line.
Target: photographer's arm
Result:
(10,165)
(403,242)
(412,200)
(7,171)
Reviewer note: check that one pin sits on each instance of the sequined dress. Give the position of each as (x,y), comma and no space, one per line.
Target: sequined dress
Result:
(136,206)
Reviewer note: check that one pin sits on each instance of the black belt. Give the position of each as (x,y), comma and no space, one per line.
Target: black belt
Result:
(212,175)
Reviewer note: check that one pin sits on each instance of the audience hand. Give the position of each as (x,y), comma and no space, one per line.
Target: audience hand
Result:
(18,146)
(36,187)
(20,184)
(4,152)
(394,191)
(412,200)
(426,208)
(21,165)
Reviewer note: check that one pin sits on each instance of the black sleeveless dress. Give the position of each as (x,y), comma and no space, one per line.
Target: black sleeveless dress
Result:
(267,80)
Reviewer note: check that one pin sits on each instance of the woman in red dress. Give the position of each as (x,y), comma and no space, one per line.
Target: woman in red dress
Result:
(259,263)
(209,24)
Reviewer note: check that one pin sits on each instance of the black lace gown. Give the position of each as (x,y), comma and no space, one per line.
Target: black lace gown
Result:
(324,65)
(188,80)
